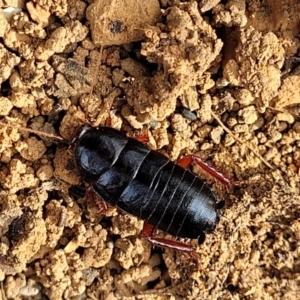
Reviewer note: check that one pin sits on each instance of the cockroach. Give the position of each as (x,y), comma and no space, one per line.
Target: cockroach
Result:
(142,182)
(126,173)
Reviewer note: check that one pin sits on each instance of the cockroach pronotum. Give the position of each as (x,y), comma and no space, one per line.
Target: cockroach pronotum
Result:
(126,173)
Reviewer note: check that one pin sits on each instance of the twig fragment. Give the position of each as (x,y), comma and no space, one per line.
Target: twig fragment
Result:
(239,140)
(39,133)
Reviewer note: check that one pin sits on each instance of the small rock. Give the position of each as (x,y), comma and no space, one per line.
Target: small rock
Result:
(244,97)
(296,127)
(3,24)
(29,291)
(186,113)
(190,98)
(133,67)
(241,128)
(45,172)
(258,123)
(5,106)
(38,14)
(231,122)
(282,126)
(216,134)
(229,140)
(204,131)
(287,117)
(248,114)
(206,146)
(270,154)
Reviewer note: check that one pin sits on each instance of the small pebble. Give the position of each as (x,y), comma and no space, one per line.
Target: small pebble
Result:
(221,83)
(29,291)
(287,117)
(241,128)
(153,124)
(244,97)
(44,172)
(206,146)
(282,126)
(270,154)
(216,134)
(231,122)
(259,123)
(296,127)
(248,114)
(276,136)
(189,115)
(229,140)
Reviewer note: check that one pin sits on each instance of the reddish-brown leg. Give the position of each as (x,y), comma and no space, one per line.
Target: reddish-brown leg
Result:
(161,242)
(186,161)
(91,195)
(142,136)
(108,120)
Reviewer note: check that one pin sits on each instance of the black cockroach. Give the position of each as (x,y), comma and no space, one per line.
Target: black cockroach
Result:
(126,173)
(144,183)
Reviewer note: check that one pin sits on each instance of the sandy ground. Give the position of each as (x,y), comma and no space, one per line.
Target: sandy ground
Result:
(218,80)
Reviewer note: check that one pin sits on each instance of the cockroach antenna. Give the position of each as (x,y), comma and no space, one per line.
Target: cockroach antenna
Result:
(39,133)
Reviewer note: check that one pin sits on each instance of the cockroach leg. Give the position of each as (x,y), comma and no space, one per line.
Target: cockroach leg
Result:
(186,161)
(91,195)
(161,242)
(108,120)
(142,136)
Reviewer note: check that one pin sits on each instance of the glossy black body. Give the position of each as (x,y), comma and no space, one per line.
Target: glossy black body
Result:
(144,183)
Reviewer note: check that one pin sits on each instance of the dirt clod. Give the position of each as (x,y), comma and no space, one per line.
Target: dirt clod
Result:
(116,23)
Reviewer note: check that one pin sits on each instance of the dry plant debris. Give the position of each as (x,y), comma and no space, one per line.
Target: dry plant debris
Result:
(219,79)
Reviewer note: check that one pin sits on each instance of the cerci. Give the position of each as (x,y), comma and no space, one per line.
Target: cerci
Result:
(142,182)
